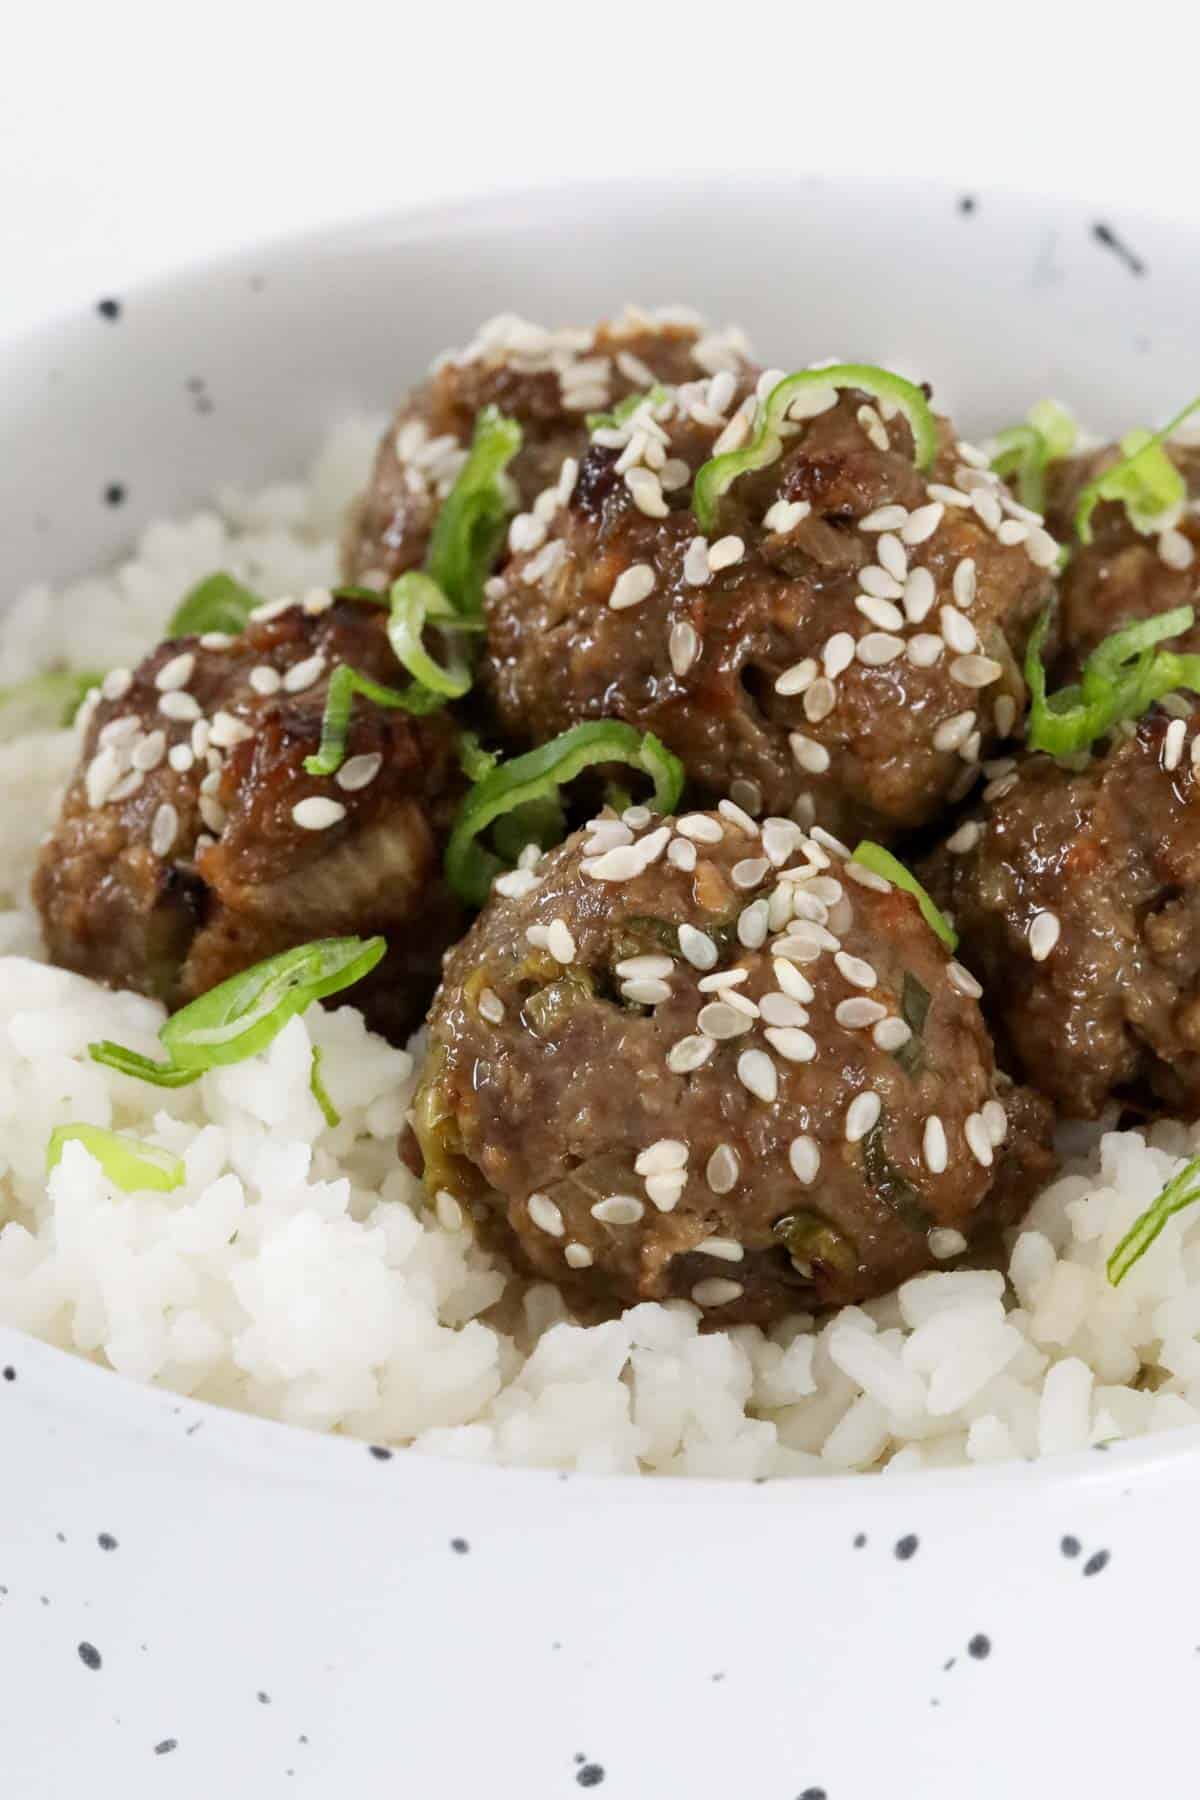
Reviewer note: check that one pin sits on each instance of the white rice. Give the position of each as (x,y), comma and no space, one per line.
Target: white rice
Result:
(297,1274)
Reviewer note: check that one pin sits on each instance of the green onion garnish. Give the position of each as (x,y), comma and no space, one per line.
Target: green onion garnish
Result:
(417,598)
(54,697)
(882,862)
(1183,1190)
(320,1092)
(344,683)
(625,409)
(1145,479)
(717,475)
(1024,452)
(474,760)
(243,1015)
(1120,679)
(538,776)
(470,526)
(129,1164)
(218,603)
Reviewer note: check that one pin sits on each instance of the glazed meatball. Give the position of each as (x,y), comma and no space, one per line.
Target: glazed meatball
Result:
(1123,574)
(842,648)
(1077,896)
(699,1058)
(546,380)
(192,842)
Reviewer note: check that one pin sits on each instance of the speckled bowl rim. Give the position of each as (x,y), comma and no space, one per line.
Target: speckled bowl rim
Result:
(294,1455)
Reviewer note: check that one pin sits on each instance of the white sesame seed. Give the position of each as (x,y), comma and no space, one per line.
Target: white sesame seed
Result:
(857,972)
(958,631)
(720,1020)
(682,854)
(491,1006)
(318,813)
(924,650)
(953,733)
(750,872)
(664,1191)
(811,402)
(701,828)
(805,1158)
(651,968)
(273,609)
(645,993)
(661,1157)
(683,646)
(226,731)
(880,612)
(979,1141)
(175,704)
(559,941)
(862,1115)
(1012,532)
(872,424)
(359,772)
(963,980)
(785,515)
(695,563)
(965,583)
(212,812)
(632,586)
(1041,548)
(545,1215)
(782,1010)
(647,493)
(722,1169)
(797,678)
(808,754)
(717,1291)
(619,864)
(948,496)
(265,680)
(878,583)
(725,1249)
(116,684)
(868,878)
(447,1211)
(577,1256)
(618,1209)
(689,1053)
(1172,744)
(858,1013)
(1043,935)
(725,553)
(892,556)
(1006,714)
(820,700)
(987,508)
(923,522)
(757,1073)
(150,751)
(996,1119)
(837,655)
(792,1042)
(303,675)
(891,1034)
(933,1145)
(965,838)
(975,671)
(164,829)
(1175,550)
(885,518)
(753,924)
(920,592)
(779,838)
(181,757)
(527,532)
(176,673)
(199,737)
(738,816)
(944,1242)
(674,475)
(792,980)
(878,648)
(697,947)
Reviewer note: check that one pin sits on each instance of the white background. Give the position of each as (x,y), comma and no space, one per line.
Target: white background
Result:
(136,137)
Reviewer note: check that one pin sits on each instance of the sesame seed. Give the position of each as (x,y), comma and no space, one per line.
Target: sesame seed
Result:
(689,1053)
(885,518)
(695,563)
(948,496)
(868,878)
(862,1115)
(858,1013)
(722,1169)
(753,924)
(892,556)
(924,521)
(857,972)
(1012,532)
(880,612)
(619,864)
(199,739)
(664,1191)
(924,650)
(176,673)
(577,1256)
(820,700)
(526,532)
(963,980)
(717,1291)
(808,754)
(782,1010)
(661,1157)
(750,872)
(933,1145)
(720,1020)
(632,586)
(725,553)
(953,733)
(683,647)
(979,1141)
(175,704)
(359,772)
(726,1249)
(987,508)
(1043,935)
(150,751)
(1175,550)
(447,1211)
(1172,743)
(559,941)
(164,829)
(181,757)
(964,583)
(872,424)
(645,993)
(265,680)
(317,813)
(212,812)
(682,854)
(785,515)
(226,731)
(1006,714)
(792,1042)
(958,631)
(757,1073)
(303,675)
(877,648)
(273,609)
(805,1158)
(945,1242)
(792,980)
(116,684)
(975,671)
(779,838)
(1041,548)
(996,1120)
(491,1006)
(837,654)
(965,838)
(674,475)
(920,592)
(700,827)
(651,967)
(618,1209)
(545,1215)
(739,817)
(891,1034)
(647,493)
(796,679)
(878,583)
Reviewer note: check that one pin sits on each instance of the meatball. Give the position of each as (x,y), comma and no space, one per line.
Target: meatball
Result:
(699,1058)
(1123,574)
(1077,896)
(192,842)
(547,381)
(843,650)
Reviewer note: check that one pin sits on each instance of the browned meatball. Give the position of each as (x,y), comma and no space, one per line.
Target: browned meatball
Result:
(547,381)
(698,1058)
(844,649)
(1077,896)
(192,842)
(1123,574)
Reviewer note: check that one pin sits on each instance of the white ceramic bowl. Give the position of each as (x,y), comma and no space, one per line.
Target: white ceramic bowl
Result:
(285,1614)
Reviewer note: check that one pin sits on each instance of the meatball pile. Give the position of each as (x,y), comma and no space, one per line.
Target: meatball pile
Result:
(193,843)
(707,1058)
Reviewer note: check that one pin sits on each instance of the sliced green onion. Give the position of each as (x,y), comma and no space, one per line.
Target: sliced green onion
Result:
(1145,479)
(218,603)
(882,862)
(470,526)
(716,476)
(915,1001)
(45,700)
(320,1092)
(538,775)
(1180,1192)
(474,760)
(1024,452)
(1121,678)
(416,600)
(625,409)
(129,1164)
(344,683)
(243,1015)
